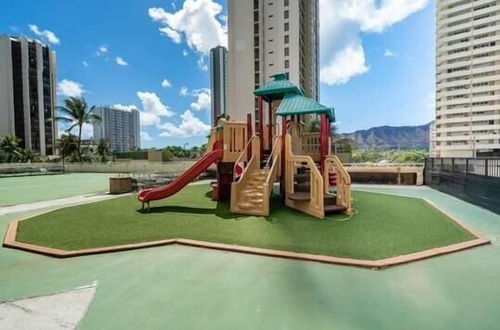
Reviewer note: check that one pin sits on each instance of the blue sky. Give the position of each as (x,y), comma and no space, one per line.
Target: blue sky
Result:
(393,83)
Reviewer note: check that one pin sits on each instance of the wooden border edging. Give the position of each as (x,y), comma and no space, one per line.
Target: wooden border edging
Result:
(11,242)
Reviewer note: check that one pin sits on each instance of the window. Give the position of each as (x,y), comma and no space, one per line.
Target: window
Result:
(287,64)
(287,26)
(287,51)
(287,14)
(287,39)
(287,2)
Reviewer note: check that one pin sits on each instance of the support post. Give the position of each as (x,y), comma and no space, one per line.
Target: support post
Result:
(323,140)
(283,160)
(249,135)
(261,124)
(270,129)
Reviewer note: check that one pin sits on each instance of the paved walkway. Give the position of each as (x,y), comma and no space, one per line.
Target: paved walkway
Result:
(180,287)
(55,203)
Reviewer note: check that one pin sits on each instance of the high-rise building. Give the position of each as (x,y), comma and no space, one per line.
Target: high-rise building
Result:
(121,128)
(432,139)
(218,81)
(468,78)
(28,93)
(268,37)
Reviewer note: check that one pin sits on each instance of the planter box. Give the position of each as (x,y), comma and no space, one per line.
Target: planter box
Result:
(120,185)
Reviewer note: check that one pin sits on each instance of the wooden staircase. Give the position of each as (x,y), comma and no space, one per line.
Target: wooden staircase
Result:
(302,190)
(251,197)
(308,190)
(250,194)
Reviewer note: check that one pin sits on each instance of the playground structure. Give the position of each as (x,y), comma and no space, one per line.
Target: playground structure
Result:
(248,165)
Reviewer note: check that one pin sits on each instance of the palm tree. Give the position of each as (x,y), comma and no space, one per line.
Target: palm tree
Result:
(314,125)
(77,113)
(67,145)
(28,156)
(103,149)
(10,146)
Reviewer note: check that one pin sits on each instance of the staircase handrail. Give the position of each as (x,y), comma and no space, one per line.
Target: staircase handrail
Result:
(315,206)
(243,153)
(277,141)
(276,157)
(343,181)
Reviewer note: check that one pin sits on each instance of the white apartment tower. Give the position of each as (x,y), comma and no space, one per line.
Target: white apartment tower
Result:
(28,93)
(468,78)
(121,128)
(268,37)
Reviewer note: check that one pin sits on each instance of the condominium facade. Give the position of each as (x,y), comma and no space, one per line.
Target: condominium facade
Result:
(268,37)
(468,78)
(121,128)
(28,93)
(218,81)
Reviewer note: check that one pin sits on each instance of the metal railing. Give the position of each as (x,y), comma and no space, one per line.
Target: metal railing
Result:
(489,167)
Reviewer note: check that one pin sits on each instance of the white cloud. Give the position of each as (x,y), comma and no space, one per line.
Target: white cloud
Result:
(152,109)
(185,53)
(343,22)
(203,99)
(389,53)
(198,21)
(69,88)
(45,34)
(124,107)
(184,91)
(346,64)
(120,61)
(87,130)
(189,127)
(165,83)
(103,49)
(85,64)
(145,136)
(202,64)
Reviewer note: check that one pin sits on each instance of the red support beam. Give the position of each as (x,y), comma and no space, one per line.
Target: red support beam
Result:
(283,153)
(249,134)
(270,131)
(261,124)
(324,134)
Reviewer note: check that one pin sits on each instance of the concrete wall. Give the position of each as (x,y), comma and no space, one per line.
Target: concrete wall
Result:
(139,167)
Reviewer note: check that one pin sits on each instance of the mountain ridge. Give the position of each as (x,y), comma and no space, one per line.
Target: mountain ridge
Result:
(391,137)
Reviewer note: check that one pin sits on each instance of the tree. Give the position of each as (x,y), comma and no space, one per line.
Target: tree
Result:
(67,145)
(103,149)
(314,125)
(77,113)
(10,146)
(27,155)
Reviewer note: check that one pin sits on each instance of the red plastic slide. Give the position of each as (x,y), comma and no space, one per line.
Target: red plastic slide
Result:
(189,175)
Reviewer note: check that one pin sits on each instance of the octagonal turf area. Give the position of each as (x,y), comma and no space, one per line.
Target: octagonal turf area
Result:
(384,226)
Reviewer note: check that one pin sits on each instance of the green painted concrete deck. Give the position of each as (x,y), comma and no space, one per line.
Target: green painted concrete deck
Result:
(189,288)
(28,189)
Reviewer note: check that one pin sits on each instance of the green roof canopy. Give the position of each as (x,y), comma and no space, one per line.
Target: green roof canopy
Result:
(295,104)
(277,88)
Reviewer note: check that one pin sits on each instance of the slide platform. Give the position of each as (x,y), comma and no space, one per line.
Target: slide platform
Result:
(185,178)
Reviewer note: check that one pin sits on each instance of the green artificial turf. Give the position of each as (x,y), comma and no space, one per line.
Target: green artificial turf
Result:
(384,226)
